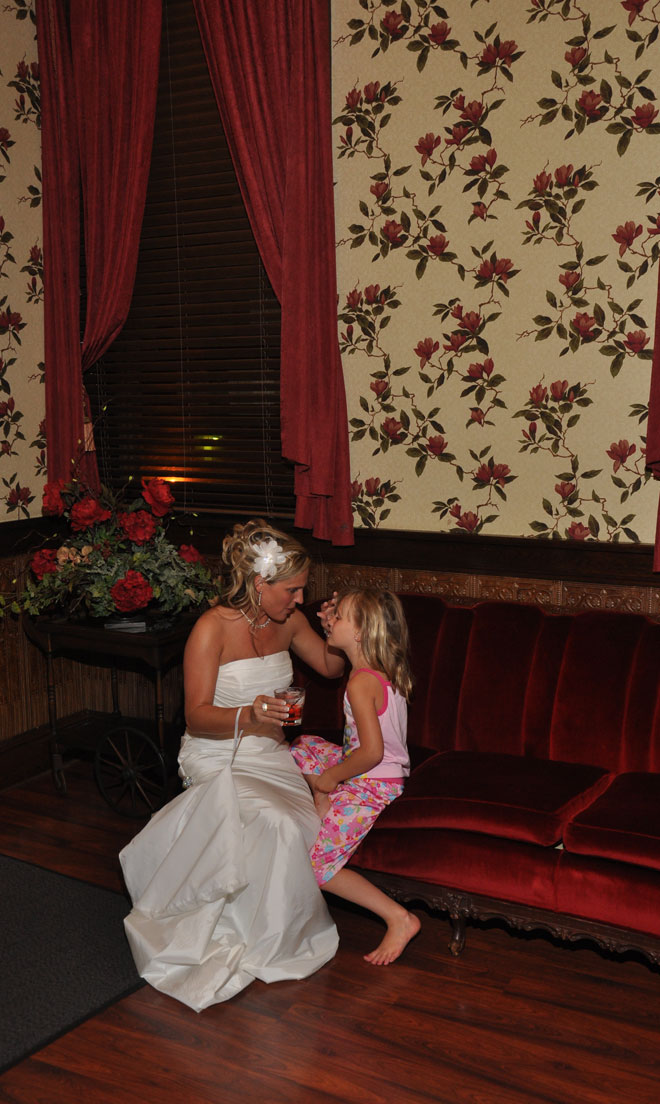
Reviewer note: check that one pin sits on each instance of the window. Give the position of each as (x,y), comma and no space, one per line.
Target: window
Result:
(190,388)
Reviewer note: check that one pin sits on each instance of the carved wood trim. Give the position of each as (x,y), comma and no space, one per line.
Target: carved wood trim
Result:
(553,595)
(463,906)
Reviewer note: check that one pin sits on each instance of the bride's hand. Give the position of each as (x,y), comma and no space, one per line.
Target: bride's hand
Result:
(268,709)
(328,613)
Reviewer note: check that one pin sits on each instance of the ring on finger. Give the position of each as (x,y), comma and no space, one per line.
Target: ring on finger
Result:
(264,706)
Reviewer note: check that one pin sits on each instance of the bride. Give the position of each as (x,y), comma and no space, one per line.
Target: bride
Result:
(220,879)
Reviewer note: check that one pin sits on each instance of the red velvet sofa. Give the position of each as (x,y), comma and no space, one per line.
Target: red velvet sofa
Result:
(534,794)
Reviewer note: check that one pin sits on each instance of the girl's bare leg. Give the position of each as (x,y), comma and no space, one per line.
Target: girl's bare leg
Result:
(321,800)
(402,925)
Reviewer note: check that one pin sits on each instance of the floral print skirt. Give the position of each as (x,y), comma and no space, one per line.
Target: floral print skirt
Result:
(354,806)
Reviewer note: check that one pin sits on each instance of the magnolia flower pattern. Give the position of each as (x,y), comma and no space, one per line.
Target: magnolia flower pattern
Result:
(22,392)
(497,268)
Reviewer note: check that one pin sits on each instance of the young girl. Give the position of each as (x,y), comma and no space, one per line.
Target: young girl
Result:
(353,784)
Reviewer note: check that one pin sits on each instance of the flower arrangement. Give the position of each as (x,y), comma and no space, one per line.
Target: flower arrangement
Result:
(116,558)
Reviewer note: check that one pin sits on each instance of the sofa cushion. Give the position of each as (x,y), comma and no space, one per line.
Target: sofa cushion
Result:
(500,795)
(622,823)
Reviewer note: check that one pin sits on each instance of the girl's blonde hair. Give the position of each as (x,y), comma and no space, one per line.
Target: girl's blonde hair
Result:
(379,618)
(240,550)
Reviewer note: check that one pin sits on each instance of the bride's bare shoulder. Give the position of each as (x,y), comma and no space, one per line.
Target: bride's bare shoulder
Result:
(214,623)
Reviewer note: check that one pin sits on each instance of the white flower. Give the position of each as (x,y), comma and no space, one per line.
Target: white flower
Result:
(268,557)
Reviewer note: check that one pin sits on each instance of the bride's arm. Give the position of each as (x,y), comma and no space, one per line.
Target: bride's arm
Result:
(316,652)
(201,660)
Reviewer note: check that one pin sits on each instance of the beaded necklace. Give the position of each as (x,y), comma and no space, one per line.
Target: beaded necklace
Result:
(252,622)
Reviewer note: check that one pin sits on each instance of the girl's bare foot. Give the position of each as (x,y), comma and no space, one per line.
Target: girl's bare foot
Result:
(398,935)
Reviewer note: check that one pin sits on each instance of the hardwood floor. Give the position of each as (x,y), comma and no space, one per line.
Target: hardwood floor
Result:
(515,1020)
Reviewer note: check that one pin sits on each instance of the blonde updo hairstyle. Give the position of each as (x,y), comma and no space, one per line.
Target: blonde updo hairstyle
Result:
(384,639)
(239,553)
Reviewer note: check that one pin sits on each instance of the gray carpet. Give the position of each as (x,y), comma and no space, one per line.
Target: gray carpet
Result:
(63,956)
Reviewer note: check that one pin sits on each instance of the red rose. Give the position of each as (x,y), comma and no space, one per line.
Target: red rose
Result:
(138,526)
(86,513)
(156,493)
(52,502)
(133,592)
(189,553)
(371,293)
(378,386)
(44,562)
(372,486)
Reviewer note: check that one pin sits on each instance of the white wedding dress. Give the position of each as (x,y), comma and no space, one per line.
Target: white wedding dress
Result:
(222,887)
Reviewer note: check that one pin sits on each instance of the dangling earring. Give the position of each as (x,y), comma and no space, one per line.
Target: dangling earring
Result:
(259,599)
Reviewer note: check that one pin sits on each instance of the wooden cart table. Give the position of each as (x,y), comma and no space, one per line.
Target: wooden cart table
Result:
(130,767)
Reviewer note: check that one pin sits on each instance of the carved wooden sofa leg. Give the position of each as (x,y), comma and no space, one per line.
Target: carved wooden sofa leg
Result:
(458,924)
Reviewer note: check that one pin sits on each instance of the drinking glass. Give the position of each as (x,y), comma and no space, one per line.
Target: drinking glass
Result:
(295,698)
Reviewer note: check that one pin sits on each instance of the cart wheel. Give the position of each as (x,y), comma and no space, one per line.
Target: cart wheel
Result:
(130,773)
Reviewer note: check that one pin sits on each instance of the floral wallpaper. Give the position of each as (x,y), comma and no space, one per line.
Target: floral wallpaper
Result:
(22,392)
(498,223)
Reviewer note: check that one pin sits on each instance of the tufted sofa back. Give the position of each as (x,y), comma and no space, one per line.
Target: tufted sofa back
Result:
(504,677)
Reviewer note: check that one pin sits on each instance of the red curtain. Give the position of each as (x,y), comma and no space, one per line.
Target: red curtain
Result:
(115,49)
(653,433)
(99,100)
(270,67)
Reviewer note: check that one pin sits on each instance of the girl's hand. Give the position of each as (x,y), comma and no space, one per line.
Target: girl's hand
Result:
(324,783)
(328,613)
(266,709)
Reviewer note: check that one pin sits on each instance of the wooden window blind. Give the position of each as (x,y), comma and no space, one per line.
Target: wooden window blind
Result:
(190,388)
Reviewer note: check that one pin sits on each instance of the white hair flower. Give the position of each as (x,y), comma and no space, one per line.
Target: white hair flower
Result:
(268,557)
